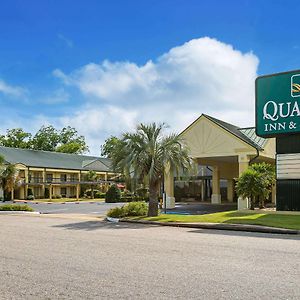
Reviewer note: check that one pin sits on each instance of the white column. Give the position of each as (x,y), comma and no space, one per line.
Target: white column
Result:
(243,203)
(243,163)
(216,194)
(202,185)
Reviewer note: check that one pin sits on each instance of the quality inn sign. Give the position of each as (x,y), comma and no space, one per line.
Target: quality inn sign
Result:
(277,104)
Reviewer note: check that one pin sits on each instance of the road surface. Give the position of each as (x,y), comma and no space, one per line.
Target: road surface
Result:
(43,257)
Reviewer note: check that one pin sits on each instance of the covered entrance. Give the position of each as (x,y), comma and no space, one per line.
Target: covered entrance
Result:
(227,151)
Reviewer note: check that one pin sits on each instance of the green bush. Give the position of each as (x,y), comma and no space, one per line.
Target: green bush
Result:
(56,196)
(133,209)
(99,195)
(15,207)
(113,194)
(116,212)
(30,197)
(127,199)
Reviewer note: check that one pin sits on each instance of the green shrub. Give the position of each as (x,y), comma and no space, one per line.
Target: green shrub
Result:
(113,194)
(127,199)
(116,212)
(132,209)
(15,207)
(56,196)
(30,197)
(99,195)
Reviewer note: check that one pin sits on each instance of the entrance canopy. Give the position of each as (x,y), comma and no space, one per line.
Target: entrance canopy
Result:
(226,148)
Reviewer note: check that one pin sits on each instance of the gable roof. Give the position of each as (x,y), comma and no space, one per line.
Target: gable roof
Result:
(247,135)
(55,160)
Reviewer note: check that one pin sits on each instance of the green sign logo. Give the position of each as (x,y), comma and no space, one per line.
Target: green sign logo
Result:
(277,104)
(295,85)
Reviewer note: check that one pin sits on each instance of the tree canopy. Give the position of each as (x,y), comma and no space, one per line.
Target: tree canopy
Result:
(256,182)
(148,154)
(47,138)
(112,147)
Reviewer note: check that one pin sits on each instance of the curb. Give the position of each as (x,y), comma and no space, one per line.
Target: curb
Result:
(48,202)
(18,212)
(219,226)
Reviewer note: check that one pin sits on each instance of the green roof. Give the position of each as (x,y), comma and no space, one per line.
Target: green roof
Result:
(248,135)
(55,160)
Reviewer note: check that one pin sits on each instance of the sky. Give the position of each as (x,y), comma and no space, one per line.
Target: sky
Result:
(105,66)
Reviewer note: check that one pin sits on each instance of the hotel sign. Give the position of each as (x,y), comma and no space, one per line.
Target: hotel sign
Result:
(277,104)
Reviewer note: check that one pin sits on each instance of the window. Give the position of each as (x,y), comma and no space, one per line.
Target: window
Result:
(63,177)
(49,177)
(73,177)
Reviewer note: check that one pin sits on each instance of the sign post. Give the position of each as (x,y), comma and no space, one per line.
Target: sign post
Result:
(277,100)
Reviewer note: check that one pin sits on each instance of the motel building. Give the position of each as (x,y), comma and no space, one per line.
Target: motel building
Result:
(221,152)
(48,174)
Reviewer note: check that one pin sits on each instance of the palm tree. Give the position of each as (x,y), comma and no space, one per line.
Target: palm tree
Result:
(148,155)
(9,176)
(92,177)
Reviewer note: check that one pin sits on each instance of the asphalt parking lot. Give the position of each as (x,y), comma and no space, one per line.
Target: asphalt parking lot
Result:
(97,208)
(48,257)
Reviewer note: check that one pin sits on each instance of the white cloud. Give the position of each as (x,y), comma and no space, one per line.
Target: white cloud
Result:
(11,90)
(201,76)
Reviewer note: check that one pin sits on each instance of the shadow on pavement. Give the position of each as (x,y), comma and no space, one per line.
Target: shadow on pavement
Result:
(201,208)
(98,225)
(247,234)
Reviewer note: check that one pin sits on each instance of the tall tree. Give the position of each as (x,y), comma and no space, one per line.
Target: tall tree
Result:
(66,140)
(47,139)
(71,142)
(112,146)
(16,138)
(149,154)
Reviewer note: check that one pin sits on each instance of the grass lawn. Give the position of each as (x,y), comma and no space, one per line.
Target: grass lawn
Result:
(69,200)
(233,217)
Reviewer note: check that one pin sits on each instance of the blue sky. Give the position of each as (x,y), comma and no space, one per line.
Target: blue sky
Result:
(88,64)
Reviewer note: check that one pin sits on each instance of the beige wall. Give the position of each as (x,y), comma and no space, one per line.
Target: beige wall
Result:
(211,145)
(39,175)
